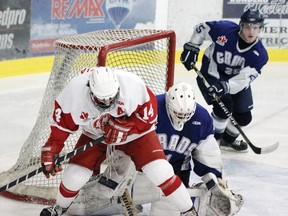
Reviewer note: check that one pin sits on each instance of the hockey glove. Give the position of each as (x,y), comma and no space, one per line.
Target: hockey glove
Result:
(221,200)
(101,122)
(189,56)
(49,154)
(219,88)
(117,130)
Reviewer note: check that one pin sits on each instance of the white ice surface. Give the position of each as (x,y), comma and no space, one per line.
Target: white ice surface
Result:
(261,179)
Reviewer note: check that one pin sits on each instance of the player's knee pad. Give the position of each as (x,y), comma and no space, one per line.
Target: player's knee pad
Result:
(75,176)
(161,173)
(243,119)
(158,171)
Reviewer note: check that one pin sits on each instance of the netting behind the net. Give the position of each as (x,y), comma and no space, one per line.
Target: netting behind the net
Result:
(148,60)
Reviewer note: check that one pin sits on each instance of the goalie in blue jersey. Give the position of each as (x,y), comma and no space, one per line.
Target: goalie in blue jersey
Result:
(233,60)
(185,131)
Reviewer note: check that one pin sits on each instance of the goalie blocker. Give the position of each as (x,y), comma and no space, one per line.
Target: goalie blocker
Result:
(212,196)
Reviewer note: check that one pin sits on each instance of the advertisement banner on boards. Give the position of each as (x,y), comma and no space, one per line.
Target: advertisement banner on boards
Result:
(14,29)
(56,19)
(275,31)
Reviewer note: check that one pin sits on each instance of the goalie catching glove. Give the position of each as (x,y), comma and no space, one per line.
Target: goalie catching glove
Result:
(221,200)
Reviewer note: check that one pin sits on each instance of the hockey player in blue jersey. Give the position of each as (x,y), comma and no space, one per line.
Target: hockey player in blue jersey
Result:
(233,60)
(185,131)
(182,125)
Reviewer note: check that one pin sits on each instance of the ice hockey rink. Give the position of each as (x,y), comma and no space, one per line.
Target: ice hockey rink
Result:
(261,179)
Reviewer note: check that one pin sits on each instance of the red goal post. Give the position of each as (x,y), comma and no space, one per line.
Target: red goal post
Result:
(147,53)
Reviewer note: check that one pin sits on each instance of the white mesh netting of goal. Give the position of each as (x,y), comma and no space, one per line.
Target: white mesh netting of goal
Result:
(148,53)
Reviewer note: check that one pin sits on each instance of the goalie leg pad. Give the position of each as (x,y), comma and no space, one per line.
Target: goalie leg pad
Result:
(90,201)
(198,193)
(97,195)
(158,171)
(117,176)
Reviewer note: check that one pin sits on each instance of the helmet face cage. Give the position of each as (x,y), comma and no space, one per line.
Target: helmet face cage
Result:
(180,104)
(180,116)
(252,17)
(105,104)
(104,88)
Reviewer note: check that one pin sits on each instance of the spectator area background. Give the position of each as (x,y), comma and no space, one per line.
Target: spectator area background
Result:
(28,28)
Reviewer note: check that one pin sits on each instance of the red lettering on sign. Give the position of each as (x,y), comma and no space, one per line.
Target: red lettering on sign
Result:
(61,9)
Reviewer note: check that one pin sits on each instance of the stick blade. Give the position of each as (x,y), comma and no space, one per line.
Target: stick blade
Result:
(269,149)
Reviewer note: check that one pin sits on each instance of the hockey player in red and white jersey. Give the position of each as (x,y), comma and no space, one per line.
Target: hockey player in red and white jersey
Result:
(117,105)
(186,133)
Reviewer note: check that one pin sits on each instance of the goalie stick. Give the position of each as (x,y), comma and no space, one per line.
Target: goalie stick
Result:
(127,204)
(59,160)
(257,150)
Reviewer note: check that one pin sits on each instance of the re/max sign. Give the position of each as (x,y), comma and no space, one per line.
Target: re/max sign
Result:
(67,9)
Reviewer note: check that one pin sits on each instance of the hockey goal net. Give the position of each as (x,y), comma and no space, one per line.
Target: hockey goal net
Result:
(147,53)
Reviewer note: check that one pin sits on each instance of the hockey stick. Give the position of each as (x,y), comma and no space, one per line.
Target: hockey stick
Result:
(257,150)
(127,204)
(59,160)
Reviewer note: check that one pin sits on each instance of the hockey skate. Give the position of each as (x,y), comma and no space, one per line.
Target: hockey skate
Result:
(53,211)
(191,212)
(237,146)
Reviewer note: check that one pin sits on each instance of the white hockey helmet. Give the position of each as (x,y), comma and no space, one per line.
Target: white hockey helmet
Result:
(104,88)
(180,104)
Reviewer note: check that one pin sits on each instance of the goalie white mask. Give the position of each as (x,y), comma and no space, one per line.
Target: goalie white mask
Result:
(180,104)
(104,88)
